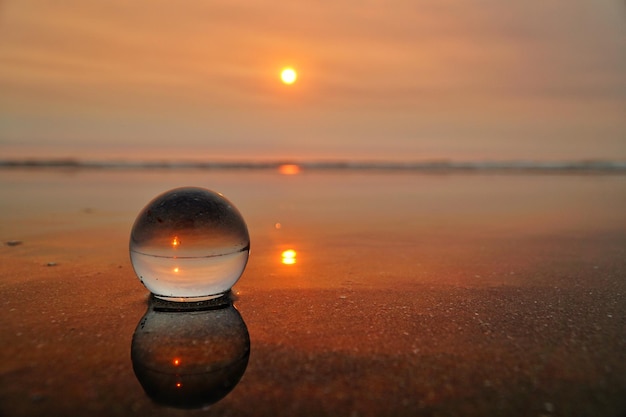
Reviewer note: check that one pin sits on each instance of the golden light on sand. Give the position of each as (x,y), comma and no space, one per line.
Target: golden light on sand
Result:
(289,169)
(176,270)
(175,242)
(288,75)
(289,257)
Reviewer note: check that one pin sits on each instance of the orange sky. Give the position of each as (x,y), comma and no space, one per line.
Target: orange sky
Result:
(461,79)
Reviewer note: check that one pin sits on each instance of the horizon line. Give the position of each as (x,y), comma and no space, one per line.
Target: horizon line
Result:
(600,165)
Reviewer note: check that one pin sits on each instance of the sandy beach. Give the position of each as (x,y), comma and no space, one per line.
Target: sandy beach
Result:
(411,294)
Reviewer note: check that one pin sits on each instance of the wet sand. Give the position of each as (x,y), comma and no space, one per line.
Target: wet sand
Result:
(410,295)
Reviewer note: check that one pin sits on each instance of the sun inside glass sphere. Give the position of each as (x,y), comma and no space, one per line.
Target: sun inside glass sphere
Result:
(189,244)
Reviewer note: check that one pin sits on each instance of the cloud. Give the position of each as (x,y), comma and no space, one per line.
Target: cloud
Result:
(406,69)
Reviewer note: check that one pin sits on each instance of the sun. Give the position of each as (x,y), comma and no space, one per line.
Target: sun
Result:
(288,75)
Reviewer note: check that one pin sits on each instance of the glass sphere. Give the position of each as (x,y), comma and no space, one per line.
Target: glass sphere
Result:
(189,244)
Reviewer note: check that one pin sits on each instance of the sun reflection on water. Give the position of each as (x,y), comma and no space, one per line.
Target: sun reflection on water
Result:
(289,257)
(289,169)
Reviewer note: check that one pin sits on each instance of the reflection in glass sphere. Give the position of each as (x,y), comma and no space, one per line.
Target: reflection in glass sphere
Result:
(189,244)
(190,359)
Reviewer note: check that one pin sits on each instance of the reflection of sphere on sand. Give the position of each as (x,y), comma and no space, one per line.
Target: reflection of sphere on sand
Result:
(190,359)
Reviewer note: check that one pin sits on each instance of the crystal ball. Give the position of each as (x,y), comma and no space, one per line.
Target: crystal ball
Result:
(189,244)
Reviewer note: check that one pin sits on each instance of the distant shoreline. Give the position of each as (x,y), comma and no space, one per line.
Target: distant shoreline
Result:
(582,166)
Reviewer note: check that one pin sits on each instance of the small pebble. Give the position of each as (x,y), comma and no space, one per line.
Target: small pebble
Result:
(51,264)
(37,397)
(14,242)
